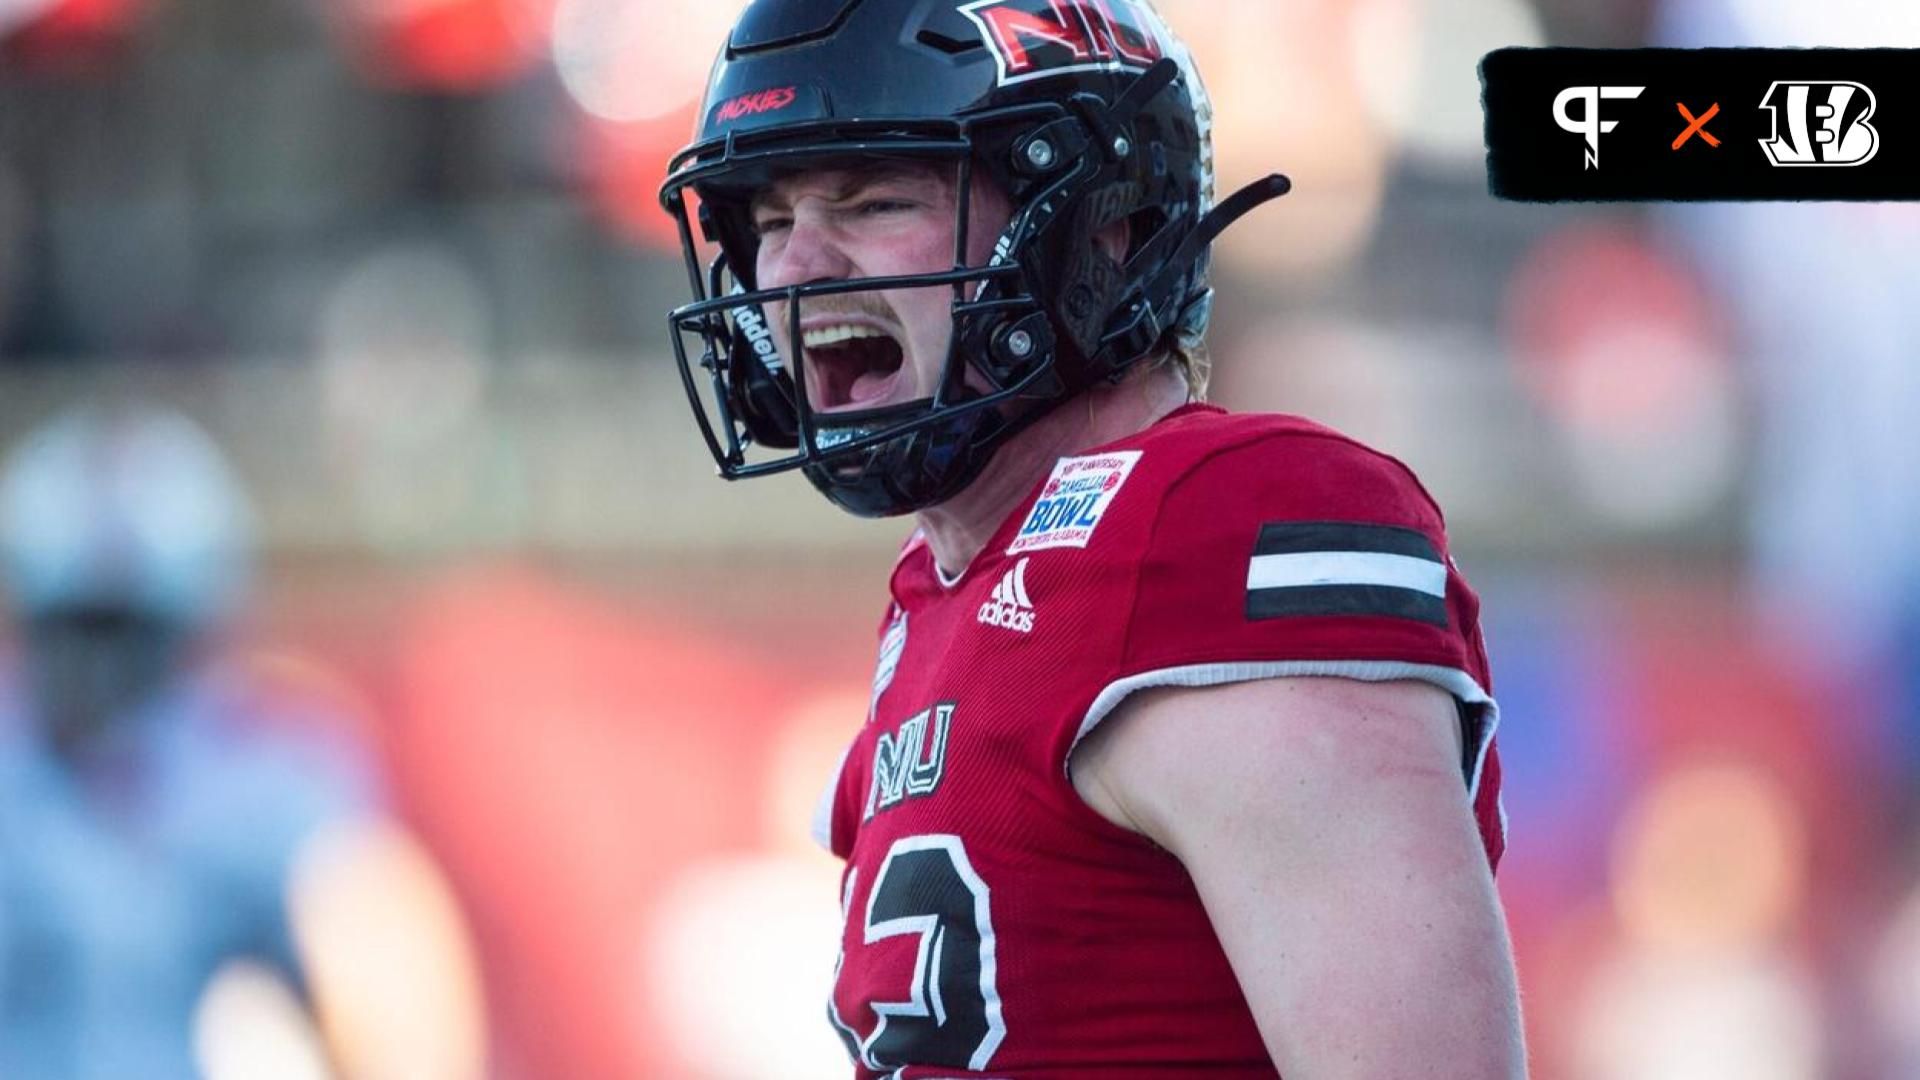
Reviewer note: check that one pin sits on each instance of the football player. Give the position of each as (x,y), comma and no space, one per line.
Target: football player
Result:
(191,864)
(1180,756)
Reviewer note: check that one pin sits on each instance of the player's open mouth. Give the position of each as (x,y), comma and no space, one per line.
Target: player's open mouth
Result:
(850,365)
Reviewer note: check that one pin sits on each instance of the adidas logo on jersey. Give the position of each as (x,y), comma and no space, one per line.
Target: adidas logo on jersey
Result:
(1010,609)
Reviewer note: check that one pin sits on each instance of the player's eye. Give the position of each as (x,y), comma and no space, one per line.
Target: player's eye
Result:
(771,223)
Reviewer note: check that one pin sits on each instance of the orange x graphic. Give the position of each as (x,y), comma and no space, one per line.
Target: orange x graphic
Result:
(1698,125)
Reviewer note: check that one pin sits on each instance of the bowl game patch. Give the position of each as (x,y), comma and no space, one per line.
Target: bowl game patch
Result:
(1075,498)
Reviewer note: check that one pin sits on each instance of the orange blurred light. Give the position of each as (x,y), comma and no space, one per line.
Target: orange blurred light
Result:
(454,46)
(1710,874)
(635,92)
(389,955)
(1712,857)
(626,62)
(621,166)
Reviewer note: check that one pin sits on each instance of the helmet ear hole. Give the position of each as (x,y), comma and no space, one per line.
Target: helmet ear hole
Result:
(1089,282)
(1115,240)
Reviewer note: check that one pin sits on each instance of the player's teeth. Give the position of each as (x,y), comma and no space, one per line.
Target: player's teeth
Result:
(834,335)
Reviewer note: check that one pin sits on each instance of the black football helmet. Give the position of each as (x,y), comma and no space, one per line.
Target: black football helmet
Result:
(1083,112)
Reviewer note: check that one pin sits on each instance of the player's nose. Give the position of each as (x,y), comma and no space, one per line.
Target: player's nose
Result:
(810,253)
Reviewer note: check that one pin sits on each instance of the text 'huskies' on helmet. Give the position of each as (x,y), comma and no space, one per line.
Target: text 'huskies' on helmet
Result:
(1083,113)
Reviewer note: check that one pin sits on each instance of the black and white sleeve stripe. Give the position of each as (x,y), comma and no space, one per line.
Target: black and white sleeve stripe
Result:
(1302,568)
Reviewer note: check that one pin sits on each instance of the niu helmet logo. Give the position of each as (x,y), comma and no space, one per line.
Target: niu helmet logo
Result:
(1820,124)
(1031,39)
(764,101)
(1589,123)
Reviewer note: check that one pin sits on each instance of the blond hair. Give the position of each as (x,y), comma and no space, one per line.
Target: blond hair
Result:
(1187,354)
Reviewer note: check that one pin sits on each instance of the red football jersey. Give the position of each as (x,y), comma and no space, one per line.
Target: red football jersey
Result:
(995,924)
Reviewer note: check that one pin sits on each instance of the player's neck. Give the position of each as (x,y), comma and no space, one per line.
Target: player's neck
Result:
(957,529)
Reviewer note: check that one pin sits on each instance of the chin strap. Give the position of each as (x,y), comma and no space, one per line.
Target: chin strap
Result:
(1151,307)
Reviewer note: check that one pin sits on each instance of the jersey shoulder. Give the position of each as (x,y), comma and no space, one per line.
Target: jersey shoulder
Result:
(1273,538)
(1278,464)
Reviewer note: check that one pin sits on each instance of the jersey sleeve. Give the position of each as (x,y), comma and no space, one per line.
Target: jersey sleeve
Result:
(1298,554)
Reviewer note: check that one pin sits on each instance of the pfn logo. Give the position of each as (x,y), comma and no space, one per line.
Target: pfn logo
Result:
(1589,124)
(1826,124)
(1035,38)
(764,101)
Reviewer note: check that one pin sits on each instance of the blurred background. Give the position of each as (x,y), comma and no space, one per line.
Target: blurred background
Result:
(332,336)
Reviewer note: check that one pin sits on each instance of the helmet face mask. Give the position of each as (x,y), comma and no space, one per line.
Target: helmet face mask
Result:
(807,85)
(875,461)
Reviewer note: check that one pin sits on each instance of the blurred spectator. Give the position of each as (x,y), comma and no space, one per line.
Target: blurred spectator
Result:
(156,811)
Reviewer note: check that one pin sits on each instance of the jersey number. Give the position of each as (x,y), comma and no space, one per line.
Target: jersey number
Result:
(951,1018)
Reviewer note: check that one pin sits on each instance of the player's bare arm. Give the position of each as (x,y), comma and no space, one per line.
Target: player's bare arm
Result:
(1327,826)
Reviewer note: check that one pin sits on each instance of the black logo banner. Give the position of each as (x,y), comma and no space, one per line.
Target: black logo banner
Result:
(1691,124)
